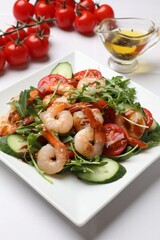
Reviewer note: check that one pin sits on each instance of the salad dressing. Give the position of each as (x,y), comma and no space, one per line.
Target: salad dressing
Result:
(125,44)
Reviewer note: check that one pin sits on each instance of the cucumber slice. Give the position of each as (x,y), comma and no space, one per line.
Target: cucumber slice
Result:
(13,144)
(64,69)
(153,126)
(107,173)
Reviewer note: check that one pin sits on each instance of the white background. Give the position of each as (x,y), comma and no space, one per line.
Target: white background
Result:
(135,213)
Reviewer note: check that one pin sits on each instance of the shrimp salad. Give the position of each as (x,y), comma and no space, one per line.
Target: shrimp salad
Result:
(84,123)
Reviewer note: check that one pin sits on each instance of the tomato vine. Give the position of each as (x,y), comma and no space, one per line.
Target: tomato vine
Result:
(34,22)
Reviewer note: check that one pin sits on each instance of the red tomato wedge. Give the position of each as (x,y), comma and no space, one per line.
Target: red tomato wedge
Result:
(116,140)
(109,114)
(47,84)
(148,117)
(88,73)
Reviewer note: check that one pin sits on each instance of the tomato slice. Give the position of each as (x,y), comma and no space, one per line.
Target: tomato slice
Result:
(109,114)
(47,84)
(148,117)
(88,73)
(116,140)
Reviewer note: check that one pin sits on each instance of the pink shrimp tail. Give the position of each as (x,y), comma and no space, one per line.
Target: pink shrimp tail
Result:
(60,147)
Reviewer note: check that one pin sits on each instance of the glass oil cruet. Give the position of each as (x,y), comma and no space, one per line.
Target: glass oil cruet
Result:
(126,39)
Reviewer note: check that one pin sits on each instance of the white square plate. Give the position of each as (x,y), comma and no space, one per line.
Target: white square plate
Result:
(77,200)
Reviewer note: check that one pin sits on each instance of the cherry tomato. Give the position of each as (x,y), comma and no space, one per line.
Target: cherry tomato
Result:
(38,28)
(88,5)
(148,117)
(16,55)
(116,140)
(44,9)
(46,83)
(2,60)
(85,22)
(2,42)
(64,3)
(85,73)
(103,11)
(38,46)
(88,73)
(65,16)
(23,10)
(13,36)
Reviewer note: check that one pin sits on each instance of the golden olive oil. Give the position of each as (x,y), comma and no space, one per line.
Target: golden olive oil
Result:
(125,44)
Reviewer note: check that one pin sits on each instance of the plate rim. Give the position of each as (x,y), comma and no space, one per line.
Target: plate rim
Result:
(77,222)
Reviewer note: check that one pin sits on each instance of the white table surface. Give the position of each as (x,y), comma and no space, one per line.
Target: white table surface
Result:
(135,212)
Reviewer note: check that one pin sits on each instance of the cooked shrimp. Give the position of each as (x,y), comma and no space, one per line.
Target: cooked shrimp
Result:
(14,116)
(94,116)
(80,119)
(58,86)
(57,119)
(89,142)
(92,83)
(52,159)
(132,128)
(78,106)
(48,100)
(6,127)
(97,115)
(62,89)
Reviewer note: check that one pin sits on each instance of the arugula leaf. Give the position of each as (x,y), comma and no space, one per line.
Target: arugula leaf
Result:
(67,137)
(34,127)
(41,172)
(33,143)
(81,164)
(152,137)
(21,103)
(116,93)
(25,108)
